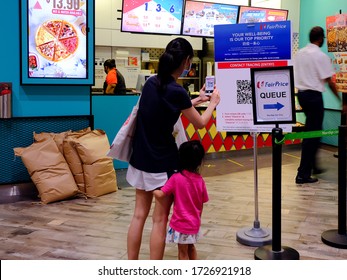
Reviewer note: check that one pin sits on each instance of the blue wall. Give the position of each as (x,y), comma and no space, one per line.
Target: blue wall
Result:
(110,112)
(30,101)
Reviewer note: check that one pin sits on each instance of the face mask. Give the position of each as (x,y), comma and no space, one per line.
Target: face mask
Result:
(186,71)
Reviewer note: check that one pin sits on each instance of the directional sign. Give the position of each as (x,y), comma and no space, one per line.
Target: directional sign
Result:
(277,106)
(273,95)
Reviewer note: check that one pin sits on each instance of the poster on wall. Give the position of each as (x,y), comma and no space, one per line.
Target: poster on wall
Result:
(55,38)
(239,48)
(336,27)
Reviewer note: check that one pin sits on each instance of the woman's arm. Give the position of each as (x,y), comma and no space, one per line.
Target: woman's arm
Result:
(201,120)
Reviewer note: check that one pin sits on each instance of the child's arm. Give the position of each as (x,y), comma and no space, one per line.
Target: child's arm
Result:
(158,194)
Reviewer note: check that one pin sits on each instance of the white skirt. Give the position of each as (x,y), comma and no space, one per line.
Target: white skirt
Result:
(142,180)
(173,236)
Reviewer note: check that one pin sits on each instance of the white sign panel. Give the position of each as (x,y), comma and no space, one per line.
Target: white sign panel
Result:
(273,95)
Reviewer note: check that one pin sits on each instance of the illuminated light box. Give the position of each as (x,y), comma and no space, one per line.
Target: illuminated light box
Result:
(255,14)
(201,17)
(57,39)
(152,17)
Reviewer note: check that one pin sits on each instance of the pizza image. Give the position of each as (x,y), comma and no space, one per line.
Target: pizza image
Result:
(56,40)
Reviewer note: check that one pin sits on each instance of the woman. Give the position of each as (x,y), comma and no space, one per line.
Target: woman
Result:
(114,83)
(155,153)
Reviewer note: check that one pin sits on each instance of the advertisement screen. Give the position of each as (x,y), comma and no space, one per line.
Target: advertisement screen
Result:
(55,46)
(201,17)
(254,14)
(154,17)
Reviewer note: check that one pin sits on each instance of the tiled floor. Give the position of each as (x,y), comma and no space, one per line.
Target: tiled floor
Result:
(96,228)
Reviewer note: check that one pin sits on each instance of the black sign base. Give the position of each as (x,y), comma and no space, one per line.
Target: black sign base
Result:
(266,253)
(334,239)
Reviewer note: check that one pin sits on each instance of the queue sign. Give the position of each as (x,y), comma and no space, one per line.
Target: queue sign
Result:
(273,95)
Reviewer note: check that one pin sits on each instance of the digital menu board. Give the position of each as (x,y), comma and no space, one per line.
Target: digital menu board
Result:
(201,17)
(254,14)
(55,42)
(156,17)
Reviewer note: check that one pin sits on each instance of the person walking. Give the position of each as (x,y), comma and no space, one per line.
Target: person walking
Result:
(312,70)
(155,154)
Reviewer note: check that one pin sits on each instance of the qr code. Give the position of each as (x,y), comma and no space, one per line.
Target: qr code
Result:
(244,92)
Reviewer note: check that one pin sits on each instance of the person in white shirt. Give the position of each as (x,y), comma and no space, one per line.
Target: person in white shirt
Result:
(312,70)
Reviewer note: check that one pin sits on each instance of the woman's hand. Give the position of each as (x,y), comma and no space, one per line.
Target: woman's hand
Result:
(203,95)
(215,97)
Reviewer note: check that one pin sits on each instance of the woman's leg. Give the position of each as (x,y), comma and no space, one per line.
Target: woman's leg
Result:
(193,255)
(183,253)
(143,202)
(160,217)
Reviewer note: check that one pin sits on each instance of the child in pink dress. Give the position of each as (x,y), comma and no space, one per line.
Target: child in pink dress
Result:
(189,192)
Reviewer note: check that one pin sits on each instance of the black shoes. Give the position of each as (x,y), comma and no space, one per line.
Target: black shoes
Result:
(309,180)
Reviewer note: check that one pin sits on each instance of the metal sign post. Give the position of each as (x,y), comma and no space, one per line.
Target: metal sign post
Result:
(255,236)
(338,237)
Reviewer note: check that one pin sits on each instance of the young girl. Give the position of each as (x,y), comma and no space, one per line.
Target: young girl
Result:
(189,193)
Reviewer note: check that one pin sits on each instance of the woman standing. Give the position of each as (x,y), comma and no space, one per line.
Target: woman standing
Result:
(155,154)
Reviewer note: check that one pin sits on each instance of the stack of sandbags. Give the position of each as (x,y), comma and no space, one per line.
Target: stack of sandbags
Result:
(62,165)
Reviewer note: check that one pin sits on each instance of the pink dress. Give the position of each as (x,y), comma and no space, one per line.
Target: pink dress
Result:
(190,193)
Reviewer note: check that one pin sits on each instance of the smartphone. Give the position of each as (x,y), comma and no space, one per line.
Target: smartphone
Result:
(209,85)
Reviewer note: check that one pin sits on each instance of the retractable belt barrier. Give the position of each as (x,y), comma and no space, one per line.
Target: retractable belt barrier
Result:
(307,134)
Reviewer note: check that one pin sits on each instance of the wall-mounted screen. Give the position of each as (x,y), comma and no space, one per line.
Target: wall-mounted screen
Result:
(201,17)
(57,39)
(254,14)
(153,17)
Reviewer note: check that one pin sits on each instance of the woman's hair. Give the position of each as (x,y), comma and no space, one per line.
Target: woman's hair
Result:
(175,53)
(191,154)
(110,63)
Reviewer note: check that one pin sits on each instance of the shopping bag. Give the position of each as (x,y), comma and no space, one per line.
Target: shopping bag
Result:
(179,133)
(121,147)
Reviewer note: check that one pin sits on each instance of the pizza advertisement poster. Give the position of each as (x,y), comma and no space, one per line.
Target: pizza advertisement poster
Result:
(336,27)
(57,39)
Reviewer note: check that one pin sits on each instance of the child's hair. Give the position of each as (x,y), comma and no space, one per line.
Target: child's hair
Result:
(191,154)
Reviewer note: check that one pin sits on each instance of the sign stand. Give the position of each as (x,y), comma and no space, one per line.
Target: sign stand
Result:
(338,237)
(276,251)
(255,236)
(273,103)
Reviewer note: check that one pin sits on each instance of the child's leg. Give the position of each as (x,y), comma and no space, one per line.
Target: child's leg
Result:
(193,255)
(183,252)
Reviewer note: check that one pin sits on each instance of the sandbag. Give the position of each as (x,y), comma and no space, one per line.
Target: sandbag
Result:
(100,178)
(57,137)
(73,159)
(99,174)
(48,170)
